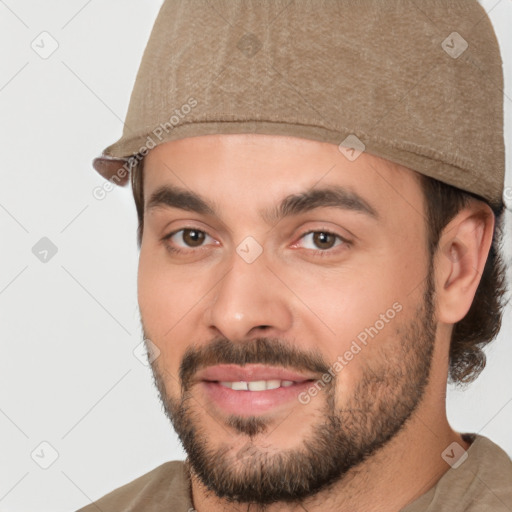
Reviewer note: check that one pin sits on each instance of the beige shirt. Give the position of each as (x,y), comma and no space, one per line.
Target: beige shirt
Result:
(482,483)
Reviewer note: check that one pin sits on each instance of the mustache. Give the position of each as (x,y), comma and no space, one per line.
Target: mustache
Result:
(267,351)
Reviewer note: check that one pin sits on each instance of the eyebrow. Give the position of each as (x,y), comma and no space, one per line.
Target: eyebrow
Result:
(294,204)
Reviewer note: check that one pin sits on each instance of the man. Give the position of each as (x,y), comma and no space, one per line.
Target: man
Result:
(319,190)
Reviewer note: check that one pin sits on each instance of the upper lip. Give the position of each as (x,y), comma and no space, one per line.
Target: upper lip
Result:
(248,373)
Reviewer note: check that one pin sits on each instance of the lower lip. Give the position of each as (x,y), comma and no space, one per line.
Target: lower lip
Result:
(249,403)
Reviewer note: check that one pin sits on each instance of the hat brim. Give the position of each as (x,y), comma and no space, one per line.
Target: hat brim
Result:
(112,169)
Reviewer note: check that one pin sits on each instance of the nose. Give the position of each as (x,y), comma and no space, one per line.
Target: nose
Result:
(249,301)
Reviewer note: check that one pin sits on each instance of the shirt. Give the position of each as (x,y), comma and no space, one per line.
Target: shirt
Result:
(482,483)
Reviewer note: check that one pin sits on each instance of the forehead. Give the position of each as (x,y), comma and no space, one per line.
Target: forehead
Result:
(245,169)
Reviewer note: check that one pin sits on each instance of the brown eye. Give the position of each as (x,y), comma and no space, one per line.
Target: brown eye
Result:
(324,240)
(188,241)
(193,237)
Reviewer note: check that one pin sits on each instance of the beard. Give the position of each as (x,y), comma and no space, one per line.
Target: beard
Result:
(341,437)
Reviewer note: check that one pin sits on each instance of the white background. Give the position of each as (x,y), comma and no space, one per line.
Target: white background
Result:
(68,327)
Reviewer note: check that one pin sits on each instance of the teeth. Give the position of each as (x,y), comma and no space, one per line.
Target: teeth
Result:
(239,386)
(256,385)
(273,384)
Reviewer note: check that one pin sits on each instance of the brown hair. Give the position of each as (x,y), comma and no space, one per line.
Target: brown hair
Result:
(482,323)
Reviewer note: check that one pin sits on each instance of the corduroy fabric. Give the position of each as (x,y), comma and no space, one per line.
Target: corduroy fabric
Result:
(418,83)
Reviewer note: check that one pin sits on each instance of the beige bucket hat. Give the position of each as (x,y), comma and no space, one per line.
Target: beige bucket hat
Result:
(418,83)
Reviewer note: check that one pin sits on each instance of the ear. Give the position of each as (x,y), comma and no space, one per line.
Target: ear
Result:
(463,249)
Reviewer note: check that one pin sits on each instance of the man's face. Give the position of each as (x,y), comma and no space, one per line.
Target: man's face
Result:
(286,289)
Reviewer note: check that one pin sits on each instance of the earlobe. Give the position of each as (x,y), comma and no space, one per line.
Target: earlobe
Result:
(464,247)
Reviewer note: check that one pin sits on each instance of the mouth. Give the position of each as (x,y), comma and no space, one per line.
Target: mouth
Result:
(257,385)
(252,389)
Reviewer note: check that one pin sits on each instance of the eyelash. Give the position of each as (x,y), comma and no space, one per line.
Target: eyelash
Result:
(318,252)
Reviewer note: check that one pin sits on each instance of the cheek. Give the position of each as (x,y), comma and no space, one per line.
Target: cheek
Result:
(166,300)
(358,309)
(166,293)
(153,299)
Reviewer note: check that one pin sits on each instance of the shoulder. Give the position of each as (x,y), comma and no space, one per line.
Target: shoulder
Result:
(489,476)
(481,482)
(154,491)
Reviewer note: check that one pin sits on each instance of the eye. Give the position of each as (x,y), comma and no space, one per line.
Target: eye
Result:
(321,240)
(187,238)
